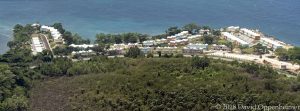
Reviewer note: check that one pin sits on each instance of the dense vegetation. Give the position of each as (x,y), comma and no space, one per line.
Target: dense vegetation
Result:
(292,54)
(167,84)
(15,74)
(120,38)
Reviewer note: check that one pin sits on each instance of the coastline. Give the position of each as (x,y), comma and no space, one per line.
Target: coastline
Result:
(4,39)
(6,35)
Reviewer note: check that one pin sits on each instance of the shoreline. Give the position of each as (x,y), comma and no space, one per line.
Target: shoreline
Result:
(6,36)
(4,39)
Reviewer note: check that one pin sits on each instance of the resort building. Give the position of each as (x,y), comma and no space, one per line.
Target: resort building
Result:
(116,51)
(146,50)
(178,42)
(228,36)
(83,46)
(124,46)
(161,41)
(149,43)
(192,37)
(183,33)
(220,47)
(171,38)
(167,50)
(118,46)
(39,43)
(194,49)
(232,28)
(204,31)
(36,26)
(83,52)
(56,35)
(270,43)
(250,33)
(130,45)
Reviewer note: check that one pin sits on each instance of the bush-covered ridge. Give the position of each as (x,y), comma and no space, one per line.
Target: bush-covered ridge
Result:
(174,84)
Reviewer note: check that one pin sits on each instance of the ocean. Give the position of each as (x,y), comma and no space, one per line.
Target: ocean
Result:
(280,18)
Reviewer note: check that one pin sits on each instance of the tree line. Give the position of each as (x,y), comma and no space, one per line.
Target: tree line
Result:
(292,54)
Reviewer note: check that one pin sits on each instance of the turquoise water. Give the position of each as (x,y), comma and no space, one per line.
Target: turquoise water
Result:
(280,18)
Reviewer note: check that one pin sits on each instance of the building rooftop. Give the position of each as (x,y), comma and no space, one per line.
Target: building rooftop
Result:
(83,45)
(234,38)
(196,46)
(275,43)
(249,32)
(54,32)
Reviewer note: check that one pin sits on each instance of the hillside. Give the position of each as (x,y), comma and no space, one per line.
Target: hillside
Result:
(164,84)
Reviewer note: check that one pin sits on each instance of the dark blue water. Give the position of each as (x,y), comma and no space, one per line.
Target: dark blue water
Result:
(280,18)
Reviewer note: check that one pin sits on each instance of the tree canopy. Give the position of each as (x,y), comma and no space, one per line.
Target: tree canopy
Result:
(103,38)
(192,28)
(134,52)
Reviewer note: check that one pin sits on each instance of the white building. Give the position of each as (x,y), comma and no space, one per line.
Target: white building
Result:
(204,31)
(232,28)
(160,41)
(220,47)
(35,25)
(197,46)
(57,36)
(129,45)
(83,45)
(194,48)
(178,42)
(234,39)
(149,43)
(193,37)
(124,46)
(250,33)
(270,43)
(37,45)
(167,50)
(183,33)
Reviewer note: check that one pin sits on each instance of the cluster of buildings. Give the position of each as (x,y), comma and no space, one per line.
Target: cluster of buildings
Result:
(162,50)
(56,35)
(39,43)
(83,49)
(171,45)
(178,39)
(193,49)
(247,37)
(120,49)
(241,36)
(272,43)
(178,43)
(84,46)
(181,39)
(189,49)
(234,39)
